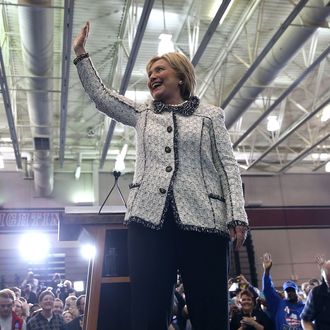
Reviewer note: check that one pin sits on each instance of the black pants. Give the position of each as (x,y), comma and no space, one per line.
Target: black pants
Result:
(155,256)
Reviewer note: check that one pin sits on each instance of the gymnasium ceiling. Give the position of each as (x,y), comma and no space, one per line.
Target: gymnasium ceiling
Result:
(254,58)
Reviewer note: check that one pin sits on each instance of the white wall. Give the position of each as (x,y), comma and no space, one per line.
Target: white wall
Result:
(282,190)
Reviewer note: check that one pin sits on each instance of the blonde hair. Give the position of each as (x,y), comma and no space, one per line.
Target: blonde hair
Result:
(7,294)
(184,69)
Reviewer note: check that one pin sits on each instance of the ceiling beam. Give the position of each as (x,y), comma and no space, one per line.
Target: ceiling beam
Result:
(303,153)
(66,61)
(147,7)
(210,31)
(226,49)
(320,166)
(291,130)
(295,36)
(6,100)
(282,96)
(265,51)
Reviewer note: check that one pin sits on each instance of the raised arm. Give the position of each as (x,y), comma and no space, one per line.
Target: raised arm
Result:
(272,298)
(106,100)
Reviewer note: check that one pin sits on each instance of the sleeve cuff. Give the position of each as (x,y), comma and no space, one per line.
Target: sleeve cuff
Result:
(234,223)
(80,57)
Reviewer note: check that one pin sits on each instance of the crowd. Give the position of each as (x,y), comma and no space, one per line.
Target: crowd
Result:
(57,307)
(304,307)
(36,306)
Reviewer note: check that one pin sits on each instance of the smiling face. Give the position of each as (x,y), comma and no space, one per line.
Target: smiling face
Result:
(47,302)
(67,317)
(18,307)
(163,83)
(246,302)
(58,307)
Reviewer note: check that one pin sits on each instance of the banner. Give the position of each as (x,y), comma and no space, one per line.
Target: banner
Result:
(14,220)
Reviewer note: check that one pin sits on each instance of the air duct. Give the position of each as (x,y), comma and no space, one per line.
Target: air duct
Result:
(310,18)
(36,29)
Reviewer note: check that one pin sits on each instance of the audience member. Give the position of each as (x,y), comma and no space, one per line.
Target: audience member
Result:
(316,313)
(30,279)
(285,312)
(55,283)
(18,308)
(71,305)
(66,290)
(34,309)
(25,308)
(28,294)
(17,291)
(58,306)
(76,323)
(8,318)
(67,317)
(306,287)
(248,316)
(46,319)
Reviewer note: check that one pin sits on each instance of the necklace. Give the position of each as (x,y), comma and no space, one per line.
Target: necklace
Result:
(185,108)
(177,105)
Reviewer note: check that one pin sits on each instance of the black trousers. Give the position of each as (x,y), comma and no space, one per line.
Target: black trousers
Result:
(155,256)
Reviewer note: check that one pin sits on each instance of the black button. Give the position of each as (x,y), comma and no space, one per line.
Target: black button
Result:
(167,150)
(169,129)
(168,168)
(162,190)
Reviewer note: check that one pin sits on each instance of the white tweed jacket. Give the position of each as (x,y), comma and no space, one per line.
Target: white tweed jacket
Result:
(189,154)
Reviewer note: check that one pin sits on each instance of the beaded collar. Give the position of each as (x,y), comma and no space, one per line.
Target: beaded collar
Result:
(186,108)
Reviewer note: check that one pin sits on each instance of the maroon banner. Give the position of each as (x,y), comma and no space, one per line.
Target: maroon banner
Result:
(288,217)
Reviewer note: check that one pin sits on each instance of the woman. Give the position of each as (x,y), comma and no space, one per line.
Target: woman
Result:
(18,308)
(247,317)
(67,316)
(186,197)
(71,305)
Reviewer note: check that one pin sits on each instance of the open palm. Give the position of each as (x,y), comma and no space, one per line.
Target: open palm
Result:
(80,40)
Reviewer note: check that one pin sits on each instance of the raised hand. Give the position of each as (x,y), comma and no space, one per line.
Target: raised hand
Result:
(242,280)
(80,40)
(320,260)
(267,262)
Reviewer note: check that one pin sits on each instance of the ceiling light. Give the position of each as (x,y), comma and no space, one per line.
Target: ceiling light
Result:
(273,124)
(325,113)
(78,168)
(165,44)
(77,172)
(323,157)
(327,167)
(120,159)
